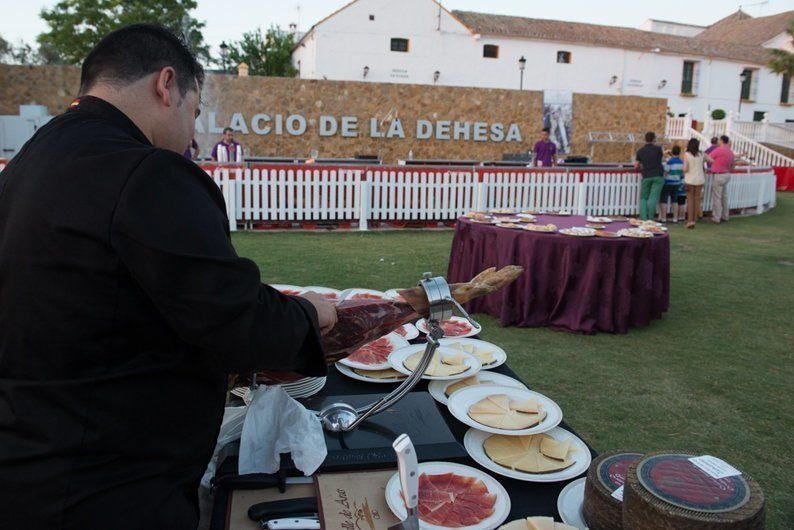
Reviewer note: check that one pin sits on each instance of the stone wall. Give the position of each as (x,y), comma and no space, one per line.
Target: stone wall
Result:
(253,97)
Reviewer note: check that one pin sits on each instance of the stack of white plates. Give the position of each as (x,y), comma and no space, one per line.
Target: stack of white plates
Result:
(305,387)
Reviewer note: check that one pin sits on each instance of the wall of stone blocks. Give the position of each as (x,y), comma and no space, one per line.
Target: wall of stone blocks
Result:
(55,87)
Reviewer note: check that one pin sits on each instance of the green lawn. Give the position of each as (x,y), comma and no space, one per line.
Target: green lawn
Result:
(713,376)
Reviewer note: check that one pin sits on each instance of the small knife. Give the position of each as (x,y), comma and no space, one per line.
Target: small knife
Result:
(409,482)
(280,509)
(292,524)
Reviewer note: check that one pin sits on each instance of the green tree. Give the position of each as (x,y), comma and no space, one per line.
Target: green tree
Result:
(75,26)
(269,55)
(782,61)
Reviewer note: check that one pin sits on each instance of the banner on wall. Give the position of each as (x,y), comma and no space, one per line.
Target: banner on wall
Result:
(558,118)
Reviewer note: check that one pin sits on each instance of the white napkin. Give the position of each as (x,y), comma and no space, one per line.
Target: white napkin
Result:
(276,423)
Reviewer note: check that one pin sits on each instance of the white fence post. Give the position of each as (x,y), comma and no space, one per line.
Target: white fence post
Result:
(581,191)
(363,211)
(759,209)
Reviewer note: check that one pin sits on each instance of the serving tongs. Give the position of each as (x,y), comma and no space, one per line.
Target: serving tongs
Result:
(341,417)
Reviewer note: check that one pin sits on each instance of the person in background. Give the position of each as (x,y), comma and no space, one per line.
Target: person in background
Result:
(231,147)
(649,161)
(545,150)
(189,152)
(723,162)
(709,149)
(694,179)
(673,171)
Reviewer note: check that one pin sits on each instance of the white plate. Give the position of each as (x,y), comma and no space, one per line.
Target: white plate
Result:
(437,388)
(570,503)
(350,294)
(392,293)
(325,291)
(421,325)
(397,357)
(578,231)
(527,216)
(410,332)
(501,508)
(349,372)
(474,439)
(397,343)
(281,287)
(461,400)
(499,354)
(600,220)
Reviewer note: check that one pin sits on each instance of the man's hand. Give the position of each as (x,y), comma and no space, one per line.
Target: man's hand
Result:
(326,312)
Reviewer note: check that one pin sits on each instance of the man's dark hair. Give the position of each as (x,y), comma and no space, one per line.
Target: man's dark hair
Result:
(714,140)
(546,129)
(135,51)
(725,139)
(227,129)
(676,150)
(650,136)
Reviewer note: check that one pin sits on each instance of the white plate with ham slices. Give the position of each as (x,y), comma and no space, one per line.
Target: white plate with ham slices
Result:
(398,358)
(407,331)
(363,294)
(375,355)
(461,400)
(456,327)
(292,290)
(466,492)
(332,295)
(474,439)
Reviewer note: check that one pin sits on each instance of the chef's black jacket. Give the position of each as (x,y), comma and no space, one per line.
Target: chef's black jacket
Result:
(123,307)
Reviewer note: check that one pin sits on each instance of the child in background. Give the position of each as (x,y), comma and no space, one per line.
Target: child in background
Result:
(682,198)
(673,181)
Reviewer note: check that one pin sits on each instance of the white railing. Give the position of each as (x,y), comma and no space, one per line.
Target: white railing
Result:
(678,128)
(757,153)
(765,132)
(283,194)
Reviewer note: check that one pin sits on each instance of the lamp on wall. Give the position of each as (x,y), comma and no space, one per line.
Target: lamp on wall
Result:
(366,71)
(662,84)
(743,79)
(224,54)
(436,75)
(522,63)
(613,80)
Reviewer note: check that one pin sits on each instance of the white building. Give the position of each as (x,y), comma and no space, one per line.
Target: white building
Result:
(418,41)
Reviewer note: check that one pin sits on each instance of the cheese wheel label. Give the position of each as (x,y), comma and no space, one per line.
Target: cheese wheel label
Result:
(612,471)
(677,481)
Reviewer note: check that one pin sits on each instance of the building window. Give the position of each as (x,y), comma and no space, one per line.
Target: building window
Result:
(759,115)
(399,45)
(747,84)
(563,57)
(491,51)
(688,78)
(785,89)
(372,17)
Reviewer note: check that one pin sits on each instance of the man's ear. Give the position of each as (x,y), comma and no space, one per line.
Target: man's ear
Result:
(164,84)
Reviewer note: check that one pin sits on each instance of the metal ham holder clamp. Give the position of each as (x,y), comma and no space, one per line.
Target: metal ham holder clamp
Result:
(341,417)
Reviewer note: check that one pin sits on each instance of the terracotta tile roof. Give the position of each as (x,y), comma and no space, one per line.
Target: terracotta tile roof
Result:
(608,36)
(741,28)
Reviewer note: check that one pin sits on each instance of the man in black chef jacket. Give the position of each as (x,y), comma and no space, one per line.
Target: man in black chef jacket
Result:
(123,305)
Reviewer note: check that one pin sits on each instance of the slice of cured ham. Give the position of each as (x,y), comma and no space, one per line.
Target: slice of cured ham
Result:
(376,352)
(454,501)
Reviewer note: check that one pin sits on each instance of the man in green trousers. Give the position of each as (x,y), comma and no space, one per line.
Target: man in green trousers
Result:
(649,161)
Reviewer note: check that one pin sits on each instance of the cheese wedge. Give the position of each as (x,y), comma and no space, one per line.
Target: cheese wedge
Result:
(530,406)
(494,411)
(536,523)
(485,356)
(522,453)
(453,359)
(469,381)
(387,373)
(554,449)
(436,367)
(541,523)
(496,404)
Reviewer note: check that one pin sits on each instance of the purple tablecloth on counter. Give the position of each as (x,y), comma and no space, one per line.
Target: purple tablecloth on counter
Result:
(581,284)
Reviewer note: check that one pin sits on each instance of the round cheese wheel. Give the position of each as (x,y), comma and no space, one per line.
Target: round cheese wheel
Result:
(664,490)
(607,473)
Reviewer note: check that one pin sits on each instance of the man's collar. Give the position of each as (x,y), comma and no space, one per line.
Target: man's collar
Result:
(100,107)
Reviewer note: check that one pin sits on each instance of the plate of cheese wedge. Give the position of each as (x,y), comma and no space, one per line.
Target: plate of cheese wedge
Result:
(505,410)
(551,456)
(446,364)
(442,390)
(489,355)
(536,523)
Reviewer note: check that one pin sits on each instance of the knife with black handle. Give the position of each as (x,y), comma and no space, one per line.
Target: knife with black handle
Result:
(280,509)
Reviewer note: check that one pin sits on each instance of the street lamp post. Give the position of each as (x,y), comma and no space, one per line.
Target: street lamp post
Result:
(742,78)
(522,63)
(224,55)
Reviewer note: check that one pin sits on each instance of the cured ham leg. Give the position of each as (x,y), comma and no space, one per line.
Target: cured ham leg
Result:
(362,321)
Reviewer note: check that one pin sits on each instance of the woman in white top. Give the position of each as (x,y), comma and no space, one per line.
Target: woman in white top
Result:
(694,179)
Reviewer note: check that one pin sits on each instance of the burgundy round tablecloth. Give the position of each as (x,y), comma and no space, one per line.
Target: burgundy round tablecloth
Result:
(582,284)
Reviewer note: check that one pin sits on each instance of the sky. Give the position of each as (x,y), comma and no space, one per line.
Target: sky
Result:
(228,19)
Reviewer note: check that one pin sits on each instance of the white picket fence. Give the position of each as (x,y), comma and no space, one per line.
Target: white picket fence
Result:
(406,194)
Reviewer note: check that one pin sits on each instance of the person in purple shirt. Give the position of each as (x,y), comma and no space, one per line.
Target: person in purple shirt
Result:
(228,143)
(545,150)
(711,148)
(190,148)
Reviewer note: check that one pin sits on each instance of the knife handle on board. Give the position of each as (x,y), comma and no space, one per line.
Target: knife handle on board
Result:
(280,509)
(408,466)
(293,524)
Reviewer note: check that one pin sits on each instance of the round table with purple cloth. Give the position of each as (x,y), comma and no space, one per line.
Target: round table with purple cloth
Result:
(580,284)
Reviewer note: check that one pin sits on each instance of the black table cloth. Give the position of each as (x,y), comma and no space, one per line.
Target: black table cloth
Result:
(579,284)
